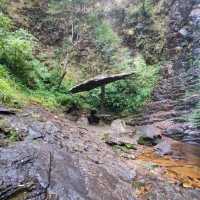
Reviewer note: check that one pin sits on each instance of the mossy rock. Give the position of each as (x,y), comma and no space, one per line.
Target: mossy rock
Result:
(137,184)
(4,126)
(130,146)
(124,147)
(11,134)
(148,141)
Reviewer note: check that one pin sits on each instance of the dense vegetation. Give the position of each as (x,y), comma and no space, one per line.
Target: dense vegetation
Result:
(25,78)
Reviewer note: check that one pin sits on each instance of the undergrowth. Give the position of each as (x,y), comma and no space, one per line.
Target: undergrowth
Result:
(25,79)
(15,94)
(129,95)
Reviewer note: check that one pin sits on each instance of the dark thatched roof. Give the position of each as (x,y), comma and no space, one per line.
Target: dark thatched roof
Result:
(98,81)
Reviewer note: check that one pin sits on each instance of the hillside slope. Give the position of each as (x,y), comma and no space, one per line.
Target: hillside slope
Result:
(175,106)
(48,149)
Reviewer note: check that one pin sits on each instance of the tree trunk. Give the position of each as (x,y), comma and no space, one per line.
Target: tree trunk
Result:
(64,72)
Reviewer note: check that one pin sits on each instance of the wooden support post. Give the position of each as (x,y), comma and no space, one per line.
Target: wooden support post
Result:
(102,98)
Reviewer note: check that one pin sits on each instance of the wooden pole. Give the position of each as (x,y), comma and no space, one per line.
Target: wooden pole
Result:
(102,109)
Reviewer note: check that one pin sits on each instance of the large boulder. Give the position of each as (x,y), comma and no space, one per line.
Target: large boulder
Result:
(40,171)
(120,134)
(148,135)
(119,126)
(163,148)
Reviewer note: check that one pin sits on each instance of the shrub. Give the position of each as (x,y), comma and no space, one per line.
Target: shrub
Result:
(131,94)
(5,22)
(9,90)
(19,69)
(17,54)
(25,77)
(107,42)
(3,4)
(144,8)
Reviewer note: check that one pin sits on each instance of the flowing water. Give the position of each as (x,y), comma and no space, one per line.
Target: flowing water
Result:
(182,165)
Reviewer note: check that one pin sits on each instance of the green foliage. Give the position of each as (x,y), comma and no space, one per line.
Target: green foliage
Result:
(17,54)
(3,4)
(24,79)
(105,35)
(146,25)
(5,25)
(107,55)
(114,57)
(10,133)
(9,90)
(143,9)
(124,147)
(5,22)
(138,184)
(14,94)
(147,7)
(19,69)
(107,42)
(13,136)
(129,95)
(194,116)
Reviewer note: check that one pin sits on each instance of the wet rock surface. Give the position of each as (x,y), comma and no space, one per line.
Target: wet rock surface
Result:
(49,164)
(59,159)
(45,171)
(120,134)
(6,111)
(163,148)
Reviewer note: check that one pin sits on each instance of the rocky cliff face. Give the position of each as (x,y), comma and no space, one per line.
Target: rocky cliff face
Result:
(175,105)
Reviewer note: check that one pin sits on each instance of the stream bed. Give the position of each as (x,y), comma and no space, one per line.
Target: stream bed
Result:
(183,164)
